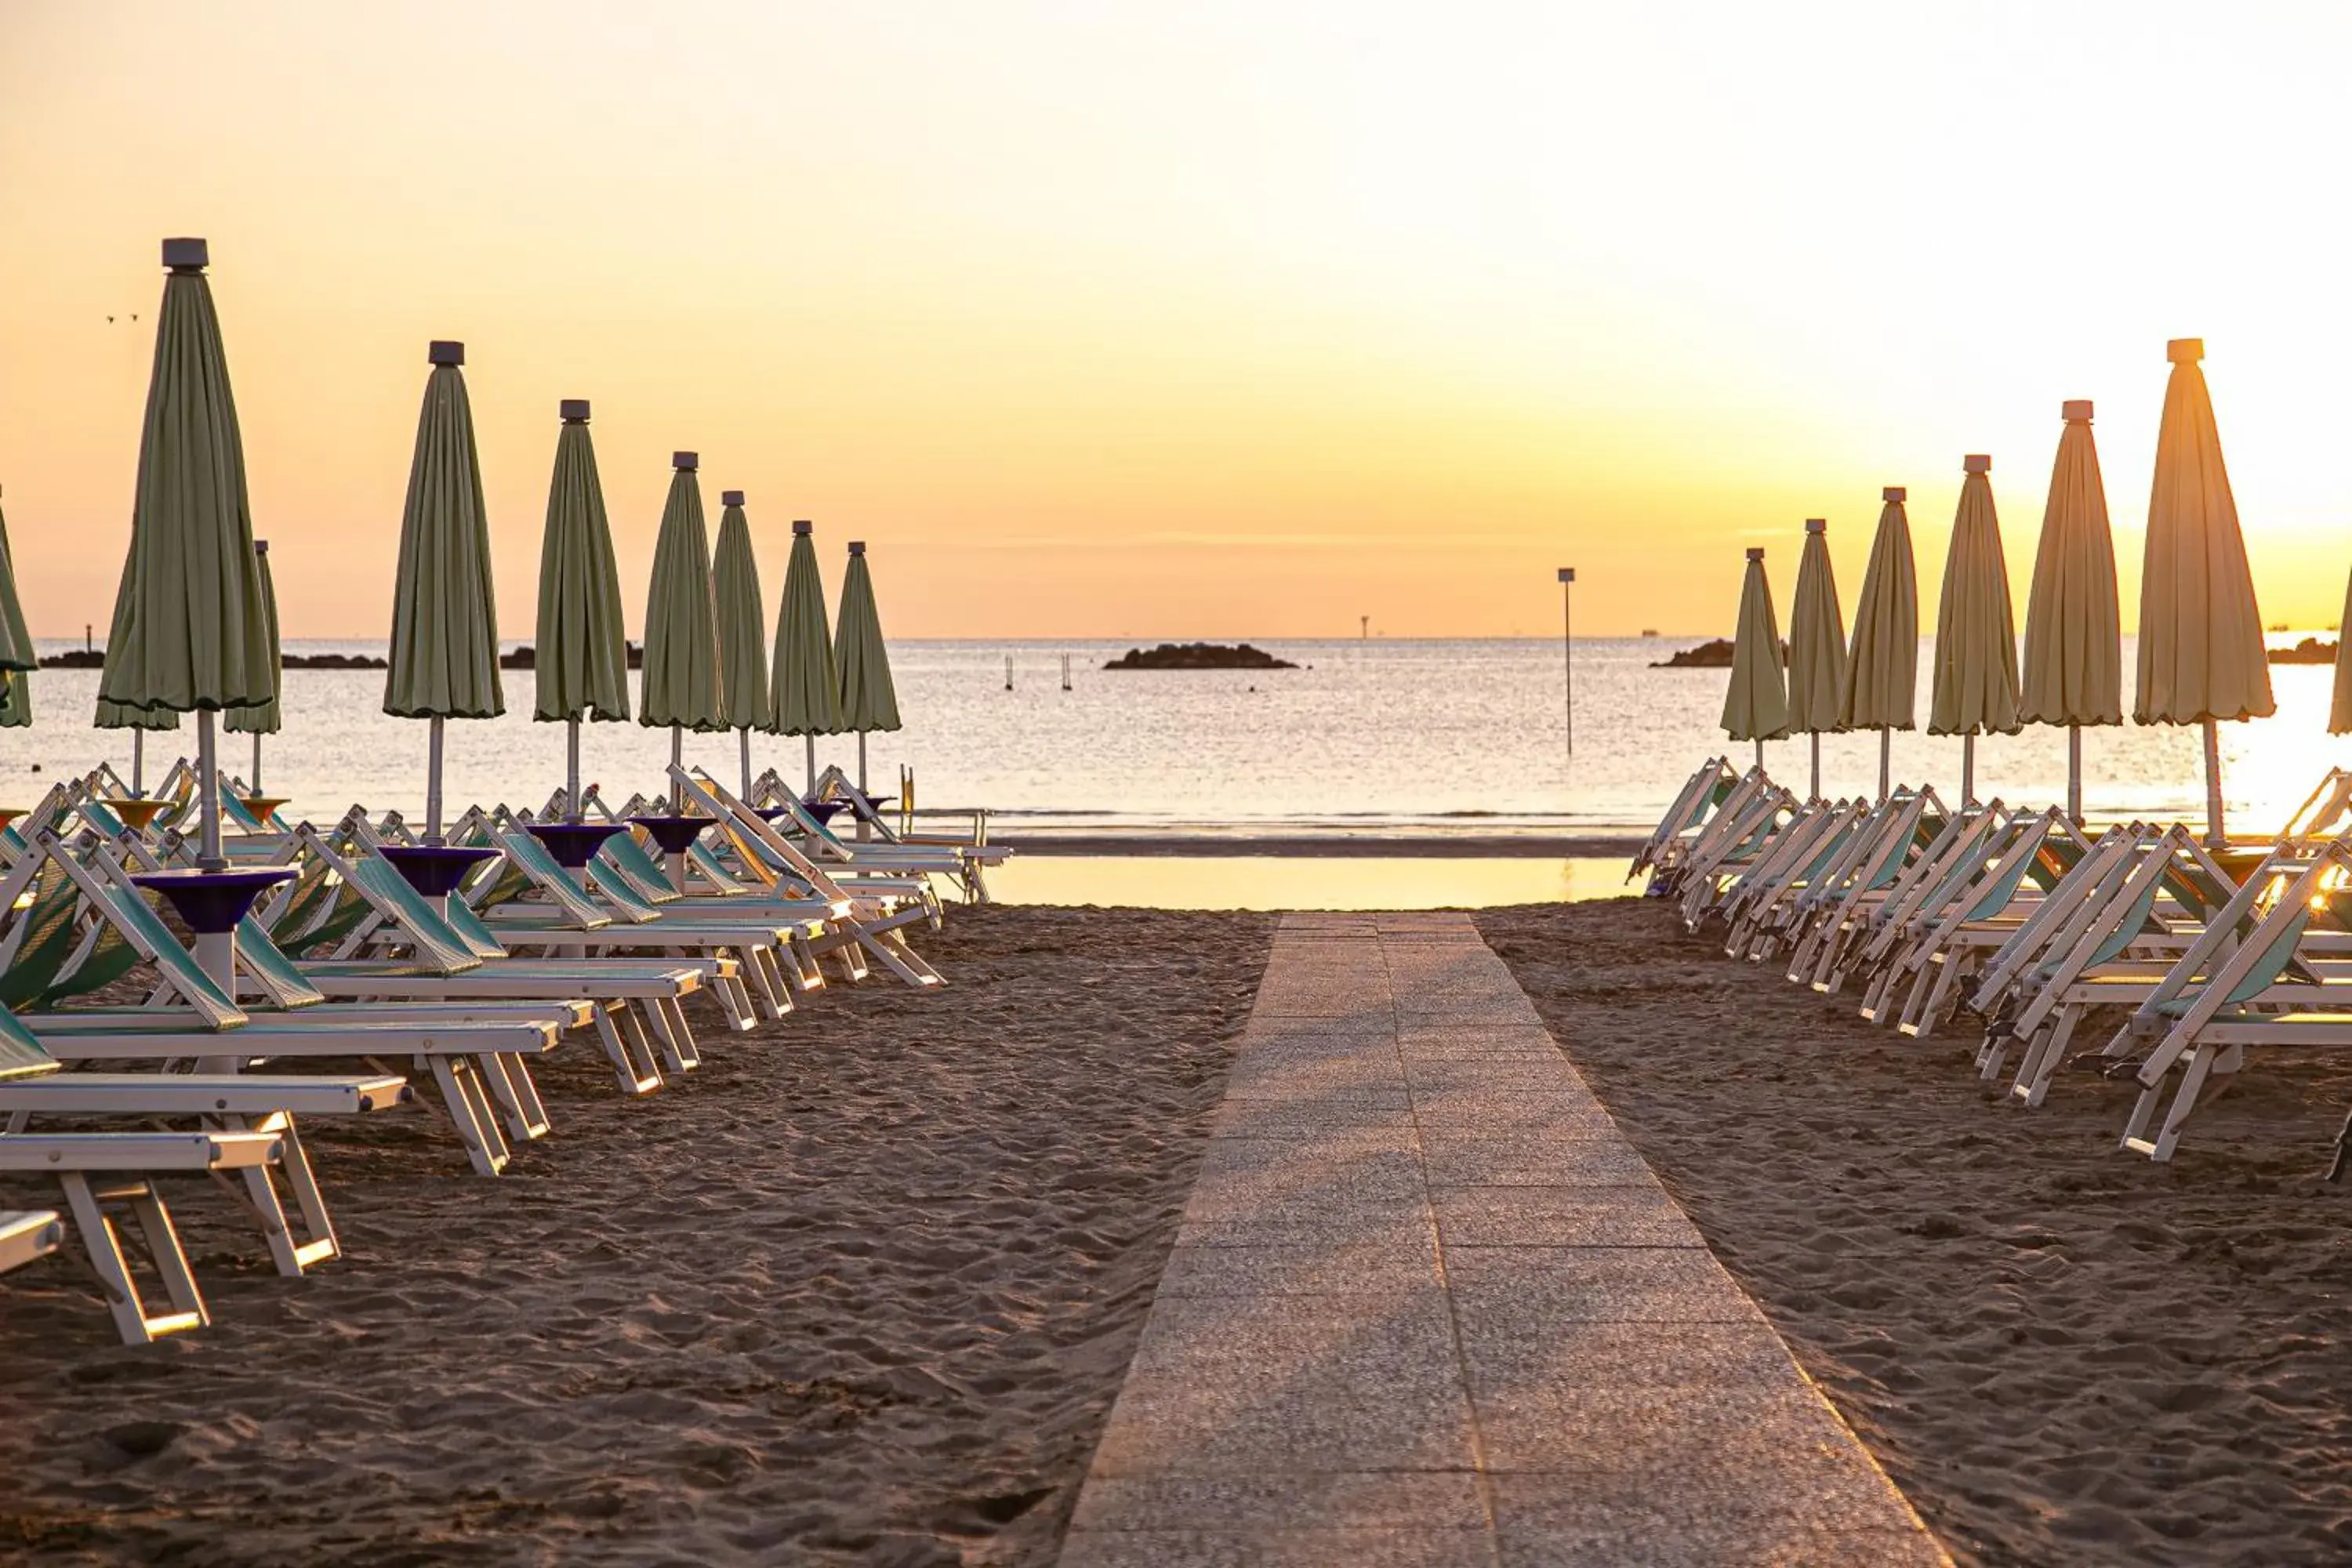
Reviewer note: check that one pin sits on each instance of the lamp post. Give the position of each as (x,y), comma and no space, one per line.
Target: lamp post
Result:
(1567,660)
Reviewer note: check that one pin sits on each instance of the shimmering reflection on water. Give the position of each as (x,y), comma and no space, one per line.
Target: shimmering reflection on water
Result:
(1450,734)
(1281,882)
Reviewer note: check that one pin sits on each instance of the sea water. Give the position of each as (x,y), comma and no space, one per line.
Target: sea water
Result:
(1409,736)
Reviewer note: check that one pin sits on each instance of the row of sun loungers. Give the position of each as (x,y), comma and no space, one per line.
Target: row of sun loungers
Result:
(445,997)
(2185,957)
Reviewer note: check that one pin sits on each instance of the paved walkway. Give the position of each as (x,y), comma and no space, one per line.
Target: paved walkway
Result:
(1428,1308)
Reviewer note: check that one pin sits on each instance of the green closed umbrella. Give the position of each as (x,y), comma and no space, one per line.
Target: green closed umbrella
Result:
(2339,707)
(1816,645)
(742,629)
(2202,658)
(870,701)
(1756,707)
(805,690)
(680,684)
(262,717)
(16,655)
(582,655)
(1975,690)
(121,715)
(445,622)
(1882,667)
(2073,637)
(189,631)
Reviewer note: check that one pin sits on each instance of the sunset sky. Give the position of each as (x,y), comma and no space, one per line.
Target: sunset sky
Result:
(1201,320)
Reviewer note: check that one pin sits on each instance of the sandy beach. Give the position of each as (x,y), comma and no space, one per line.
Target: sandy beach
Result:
(862,1289)
(2062,1354)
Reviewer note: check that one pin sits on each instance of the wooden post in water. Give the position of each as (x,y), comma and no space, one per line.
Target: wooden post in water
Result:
(1567,661)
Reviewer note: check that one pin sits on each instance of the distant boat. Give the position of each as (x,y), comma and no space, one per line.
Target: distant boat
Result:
(1649,631)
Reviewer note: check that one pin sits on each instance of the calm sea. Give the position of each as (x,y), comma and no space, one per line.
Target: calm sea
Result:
(1388,735)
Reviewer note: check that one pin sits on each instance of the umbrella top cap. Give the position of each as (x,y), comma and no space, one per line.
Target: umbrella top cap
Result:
(444,350)
(2185,351)
(858,547)
(1975,463)
(261,547)
(803,525)
(573,410)
(1817,525)
(186,255)
(2076,410)
(731,498)
(686,462)
(1756,552)
(1895,493)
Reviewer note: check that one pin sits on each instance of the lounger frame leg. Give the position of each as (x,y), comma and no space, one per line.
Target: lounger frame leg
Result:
(470,1108)
(103,1244)
(633,1060)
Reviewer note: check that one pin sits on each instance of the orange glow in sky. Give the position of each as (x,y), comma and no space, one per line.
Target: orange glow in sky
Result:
(1207,320)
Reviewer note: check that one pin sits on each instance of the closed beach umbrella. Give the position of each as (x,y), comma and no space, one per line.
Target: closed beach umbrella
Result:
(680,684)
(581,659)
(2201,659)
(16,655)
(190,633)
(742,629)
(2073,637)
(1756,707)
(1816,645)
(806,692)
(869,700)
(119,715)
(1881,669)
(1975,636)
(261,718)
(445,622)
(2339,710)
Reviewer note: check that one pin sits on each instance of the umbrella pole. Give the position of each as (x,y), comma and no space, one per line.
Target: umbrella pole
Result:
(2074,773)
(257,762)
(572,770)
(864,806)
(1885,764)
(676,760)
(209,851)
(1968,769)
(139,762)
(744,751)
(2215,837)
(811,739)
(1816,738)
(1760,756)
(433,782)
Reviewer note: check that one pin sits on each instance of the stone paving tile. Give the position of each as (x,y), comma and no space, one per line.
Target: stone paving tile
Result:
(1203,1425)
(1543,1075)
(1422,1040)
(1378,1548)
(1518,1291)
(1522,1159)
(1557,1118)
(1663,1431)
(1662,1542)
(1406,1228)
(1561,1216)
(1384,1499)
(1503,1356)
(1308,1119)
(1346,1269)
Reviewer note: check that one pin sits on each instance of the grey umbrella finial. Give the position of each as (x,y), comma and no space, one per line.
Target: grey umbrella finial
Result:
(1817,525)
(1893,492)
(573,410)
(261,547)
(186,255)
(686,462)
(1975,463)
(1756,552)
(444,350)
(858,547)
(803,525)
(731,498)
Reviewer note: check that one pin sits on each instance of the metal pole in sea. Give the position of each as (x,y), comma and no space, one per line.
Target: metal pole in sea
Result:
(1567,660)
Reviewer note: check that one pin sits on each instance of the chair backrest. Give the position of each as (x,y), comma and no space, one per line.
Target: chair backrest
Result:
(119,903)
(624,859)
(21,1055)
(420,927)
(746,827)
(549,880)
